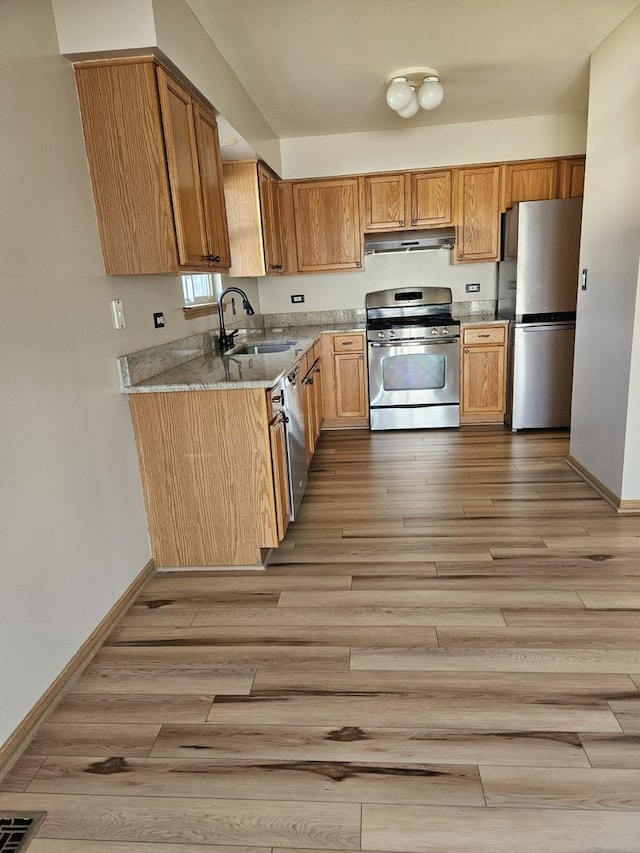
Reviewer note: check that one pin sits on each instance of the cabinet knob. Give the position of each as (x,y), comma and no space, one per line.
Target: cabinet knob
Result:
(461,255)
(466,352)
(358,264)
(414,221)
(400,221)
(214,259)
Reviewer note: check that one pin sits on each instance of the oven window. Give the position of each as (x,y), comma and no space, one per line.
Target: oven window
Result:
(413,372)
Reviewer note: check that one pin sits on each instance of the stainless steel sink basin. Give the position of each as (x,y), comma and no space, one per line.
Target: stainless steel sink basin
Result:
(257,349)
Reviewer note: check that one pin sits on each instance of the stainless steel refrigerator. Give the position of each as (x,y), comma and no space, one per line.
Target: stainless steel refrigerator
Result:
(537,291)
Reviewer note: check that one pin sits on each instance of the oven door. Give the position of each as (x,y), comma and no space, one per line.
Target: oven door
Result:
(416,373)
(414,385)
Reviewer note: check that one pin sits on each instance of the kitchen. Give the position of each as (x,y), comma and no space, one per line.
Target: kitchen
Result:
(68,427)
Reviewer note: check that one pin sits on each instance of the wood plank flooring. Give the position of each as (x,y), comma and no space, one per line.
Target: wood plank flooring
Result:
(442,656)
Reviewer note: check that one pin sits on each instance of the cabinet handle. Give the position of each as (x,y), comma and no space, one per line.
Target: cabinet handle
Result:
(214,259)
(347,343)
(400,221)
(358,264)
(461,255)
(360,357)
(466,352)
(414,221)
(484,336)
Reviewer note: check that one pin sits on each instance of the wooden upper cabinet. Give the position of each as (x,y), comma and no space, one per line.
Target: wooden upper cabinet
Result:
(535,180)
(571,182)
(271,227)
(215,215)
(431,198)
(329,234)
(287,227)
(393,202)
(384,202)
(252,202)
(154,165)
(477,214)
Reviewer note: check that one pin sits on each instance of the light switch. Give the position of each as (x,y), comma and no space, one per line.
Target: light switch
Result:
(117,314)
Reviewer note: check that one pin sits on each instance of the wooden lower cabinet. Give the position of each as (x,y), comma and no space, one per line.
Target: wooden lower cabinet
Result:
(213,473)
(313,402)
(345,386)
(483,374)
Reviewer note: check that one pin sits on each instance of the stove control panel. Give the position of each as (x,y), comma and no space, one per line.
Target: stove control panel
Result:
(414,333)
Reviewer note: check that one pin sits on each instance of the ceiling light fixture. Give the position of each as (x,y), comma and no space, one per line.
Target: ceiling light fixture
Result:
(412,88)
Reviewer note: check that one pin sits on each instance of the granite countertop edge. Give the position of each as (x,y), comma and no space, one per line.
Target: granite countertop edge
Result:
(214,371)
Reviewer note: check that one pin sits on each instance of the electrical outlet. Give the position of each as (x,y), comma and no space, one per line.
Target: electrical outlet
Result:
(117,314)
(158,320)
(472,288)
(297,297)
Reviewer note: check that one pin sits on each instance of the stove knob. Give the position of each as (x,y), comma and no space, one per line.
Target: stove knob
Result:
(444,331)
(381,334)
(392,334)
(434,331)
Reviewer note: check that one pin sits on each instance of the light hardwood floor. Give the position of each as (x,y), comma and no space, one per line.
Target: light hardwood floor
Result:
(443,656)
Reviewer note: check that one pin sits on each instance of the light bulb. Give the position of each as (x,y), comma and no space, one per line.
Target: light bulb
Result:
(431,93)
(399,93)
(412,107)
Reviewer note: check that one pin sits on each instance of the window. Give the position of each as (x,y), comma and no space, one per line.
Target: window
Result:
(200,293)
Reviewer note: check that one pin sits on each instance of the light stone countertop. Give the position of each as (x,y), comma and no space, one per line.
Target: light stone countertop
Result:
(212,371)
(484,319)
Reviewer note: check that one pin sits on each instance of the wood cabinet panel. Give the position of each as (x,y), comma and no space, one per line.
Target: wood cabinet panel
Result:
(280,466)
(206,464)
(125,150)
(529,181)
(271,228)
(431,198)
(384,202)
(485,335)
(350,386)
(478,214)
(215,216)
(287,228)
(571,180)
(329,233)
(244,219)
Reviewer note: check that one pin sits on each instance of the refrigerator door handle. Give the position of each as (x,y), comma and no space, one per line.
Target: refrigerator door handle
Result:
(545,327)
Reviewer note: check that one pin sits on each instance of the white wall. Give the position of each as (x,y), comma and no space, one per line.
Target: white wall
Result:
(443,145)
(324,292)
(606,401)
(73,529)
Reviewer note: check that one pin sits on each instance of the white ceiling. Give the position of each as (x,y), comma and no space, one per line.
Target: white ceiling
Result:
(317,67)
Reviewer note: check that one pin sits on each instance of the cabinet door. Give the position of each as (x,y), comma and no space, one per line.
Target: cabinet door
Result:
(270,209)
(531,181)
(431,198)
(212,188)
(328,230)
(287,228)
(184,174)
(384,202)
(280,476)
(571,177)
(478,214)
(483,382)
(350,389)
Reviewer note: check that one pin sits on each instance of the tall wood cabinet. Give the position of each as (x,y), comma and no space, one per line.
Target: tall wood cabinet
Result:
(155,168)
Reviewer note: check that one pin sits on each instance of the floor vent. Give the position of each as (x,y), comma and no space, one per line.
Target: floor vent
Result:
(17,829)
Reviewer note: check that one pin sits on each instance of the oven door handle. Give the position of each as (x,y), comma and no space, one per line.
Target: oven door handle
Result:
(428,342)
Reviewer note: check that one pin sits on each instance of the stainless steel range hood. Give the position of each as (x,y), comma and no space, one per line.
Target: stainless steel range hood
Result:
(409,241)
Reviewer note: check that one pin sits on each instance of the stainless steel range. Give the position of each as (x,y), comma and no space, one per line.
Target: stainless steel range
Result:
(413,350)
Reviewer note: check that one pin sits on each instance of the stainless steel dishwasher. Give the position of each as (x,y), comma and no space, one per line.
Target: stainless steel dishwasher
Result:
(296,439)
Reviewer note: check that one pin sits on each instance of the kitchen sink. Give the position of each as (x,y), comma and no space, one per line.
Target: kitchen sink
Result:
(257,349)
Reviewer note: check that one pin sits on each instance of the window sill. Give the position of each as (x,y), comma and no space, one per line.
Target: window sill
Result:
(200,310)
